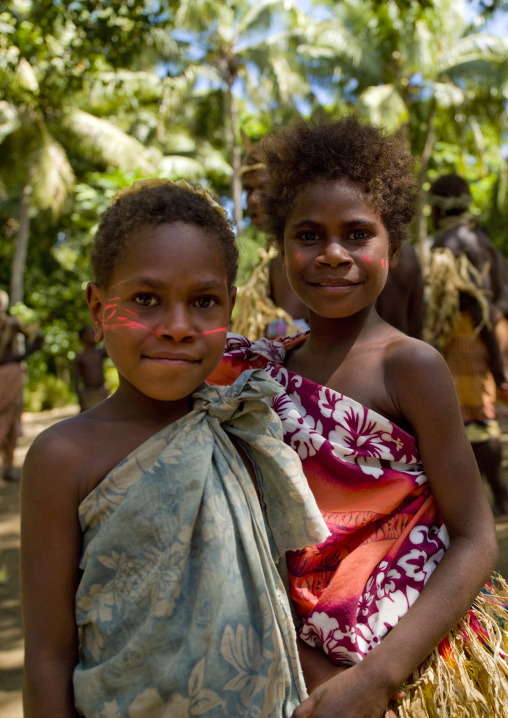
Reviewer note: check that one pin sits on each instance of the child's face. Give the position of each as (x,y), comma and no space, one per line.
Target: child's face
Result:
(336,249)
(166,311)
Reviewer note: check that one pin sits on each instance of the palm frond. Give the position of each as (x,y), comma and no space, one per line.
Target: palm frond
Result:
(260,15)
(51,175)
(447,94)
(476,47)
(26,77)
(9,119)
(174,166)
(384,106)
(99,138)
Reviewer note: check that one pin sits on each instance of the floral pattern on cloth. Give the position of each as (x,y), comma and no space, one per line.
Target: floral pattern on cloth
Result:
(180,609)
(351,589)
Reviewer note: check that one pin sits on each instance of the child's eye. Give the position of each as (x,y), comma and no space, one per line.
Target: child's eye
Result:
(146,300)
(308,236)
(205,302)
(359,234)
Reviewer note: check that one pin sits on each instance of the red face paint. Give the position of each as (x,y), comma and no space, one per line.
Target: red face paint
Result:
(366,258)
(383,263)
(214,331)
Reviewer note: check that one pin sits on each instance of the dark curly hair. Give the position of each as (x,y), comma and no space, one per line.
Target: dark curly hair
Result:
(123,221)
(377,162)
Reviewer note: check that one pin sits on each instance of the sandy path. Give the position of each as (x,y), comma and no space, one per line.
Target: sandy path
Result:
(11,634)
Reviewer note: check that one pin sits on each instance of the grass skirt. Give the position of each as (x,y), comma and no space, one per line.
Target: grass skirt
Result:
(466,676)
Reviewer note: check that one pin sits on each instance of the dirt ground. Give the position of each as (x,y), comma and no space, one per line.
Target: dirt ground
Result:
(11,632)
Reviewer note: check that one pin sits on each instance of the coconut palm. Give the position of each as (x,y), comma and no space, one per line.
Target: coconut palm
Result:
(406,64)
(42,132)
(240,48)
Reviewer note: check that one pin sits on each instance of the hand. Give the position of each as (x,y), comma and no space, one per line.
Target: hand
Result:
(350,694)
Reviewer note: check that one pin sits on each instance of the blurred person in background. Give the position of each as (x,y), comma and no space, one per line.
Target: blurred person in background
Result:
(464,281)
(266,305)
(11,382)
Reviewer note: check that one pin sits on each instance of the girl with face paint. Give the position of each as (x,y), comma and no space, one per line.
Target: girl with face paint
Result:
(396,596)
(152,522)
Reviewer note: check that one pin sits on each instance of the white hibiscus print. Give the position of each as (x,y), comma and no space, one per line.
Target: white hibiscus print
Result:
(390,610)
(323,630)
(304,431)
(361,440)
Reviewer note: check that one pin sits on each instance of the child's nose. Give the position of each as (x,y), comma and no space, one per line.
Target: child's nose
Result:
(176,325)
(334,254)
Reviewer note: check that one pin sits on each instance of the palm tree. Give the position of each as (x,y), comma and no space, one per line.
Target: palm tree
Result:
(405,65)
(241,49)
(42,132)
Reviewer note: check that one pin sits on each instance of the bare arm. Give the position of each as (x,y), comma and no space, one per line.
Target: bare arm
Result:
(50,550)
(423,389)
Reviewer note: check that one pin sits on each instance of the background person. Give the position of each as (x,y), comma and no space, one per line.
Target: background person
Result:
(11,382)
(89,370)
(267,306)
(463,282)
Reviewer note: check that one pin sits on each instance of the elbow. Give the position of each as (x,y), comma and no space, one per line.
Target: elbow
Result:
(489,552)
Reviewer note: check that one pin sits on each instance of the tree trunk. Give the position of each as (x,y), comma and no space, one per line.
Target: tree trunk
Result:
(421,220)
(236,185)
(19,260)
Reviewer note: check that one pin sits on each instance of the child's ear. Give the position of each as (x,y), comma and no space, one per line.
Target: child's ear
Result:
(95,298)
(394,256)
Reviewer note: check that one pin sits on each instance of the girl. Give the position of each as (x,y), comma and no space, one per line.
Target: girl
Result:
(148,574)
(374,417)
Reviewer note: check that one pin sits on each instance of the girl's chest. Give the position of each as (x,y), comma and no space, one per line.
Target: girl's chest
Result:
(361,378)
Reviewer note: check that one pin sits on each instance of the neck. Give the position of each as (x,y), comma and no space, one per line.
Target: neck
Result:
(333,334)
(130,404)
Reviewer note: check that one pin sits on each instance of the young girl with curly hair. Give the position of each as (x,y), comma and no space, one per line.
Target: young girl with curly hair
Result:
(152,522)
(396,596)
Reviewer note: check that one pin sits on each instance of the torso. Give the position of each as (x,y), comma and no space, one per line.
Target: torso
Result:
(378,351)
(90,362)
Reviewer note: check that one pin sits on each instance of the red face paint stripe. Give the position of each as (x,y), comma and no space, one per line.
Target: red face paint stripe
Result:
(214,331)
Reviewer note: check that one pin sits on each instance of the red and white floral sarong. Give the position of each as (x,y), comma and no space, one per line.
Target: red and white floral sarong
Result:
(351,589)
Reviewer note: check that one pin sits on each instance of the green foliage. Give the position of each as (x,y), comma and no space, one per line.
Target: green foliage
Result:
(248,243)
(48,392)
(96,94)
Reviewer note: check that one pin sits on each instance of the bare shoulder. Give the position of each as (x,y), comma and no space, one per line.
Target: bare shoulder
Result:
(420,385)
(60,456)
(409,353)
(412,365)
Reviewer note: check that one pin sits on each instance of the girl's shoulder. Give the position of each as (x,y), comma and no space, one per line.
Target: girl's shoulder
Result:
(408,354)
(76,453)
(416,373)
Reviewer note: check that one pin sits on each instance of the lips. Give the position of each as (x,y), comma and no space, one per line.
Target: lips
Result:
(343,283)
(172,357)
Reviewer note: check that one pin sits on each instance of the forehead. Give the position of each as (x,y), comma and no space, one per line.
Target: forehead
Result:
(333,199)
(254,180)
(176,249)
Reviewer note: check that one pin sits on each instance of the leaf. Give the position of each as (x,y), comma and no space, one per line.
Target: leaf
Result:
(196,678)
(51,177)
(98,137)
(205,701)
(385,106)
